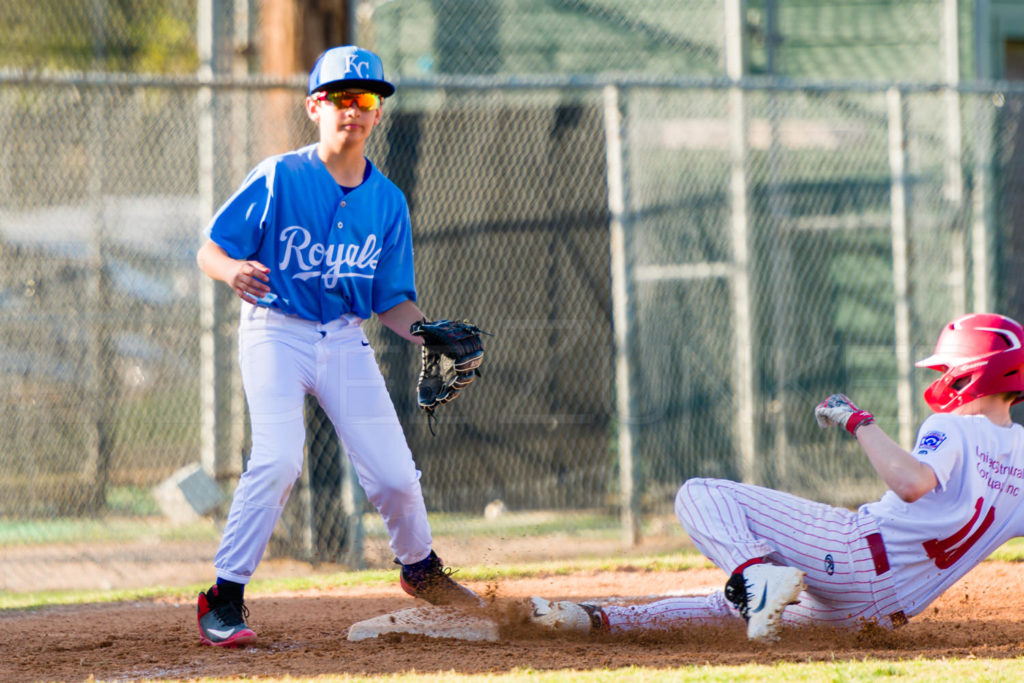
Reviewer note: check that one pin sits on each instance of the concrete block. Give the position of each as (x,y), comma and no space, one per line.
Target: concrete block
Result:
(188,494)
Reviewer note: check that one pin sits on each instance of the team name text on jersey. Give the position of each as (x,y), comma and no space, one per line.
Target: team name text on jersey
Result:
(309,257)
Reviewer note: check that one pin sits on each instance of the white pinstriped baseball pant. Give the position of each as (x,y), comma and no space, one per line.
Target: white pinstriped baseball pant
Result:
(848,577)
(283,358)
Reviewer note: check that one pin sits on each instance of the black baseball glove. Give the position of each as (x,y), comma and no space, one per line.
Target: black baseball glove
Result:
(452,353)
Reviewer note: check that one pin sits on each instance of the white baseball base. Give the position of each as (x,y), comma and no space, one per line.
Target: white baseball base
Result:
(433,621)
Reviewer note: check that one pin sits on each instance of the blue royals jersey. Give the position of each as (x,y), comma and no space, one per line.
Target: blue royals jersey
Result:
(330,253)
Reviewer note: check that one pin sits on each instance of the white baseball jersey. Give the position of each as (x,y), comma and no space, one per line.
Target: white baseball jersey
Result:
(886,561)
(976,507)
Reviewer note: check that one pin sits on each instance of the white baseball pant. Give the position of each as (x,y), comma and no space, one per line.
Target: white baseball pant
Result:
(848,576)
(282,359)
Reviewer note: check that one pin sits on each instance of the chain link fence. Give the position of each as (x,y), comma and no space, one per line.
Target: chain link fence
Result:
(780,242)
(818,39)
(833,39)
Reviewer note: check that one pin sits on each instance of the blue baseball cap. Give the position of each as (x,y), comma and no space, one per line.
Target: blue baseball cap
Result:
(350,66)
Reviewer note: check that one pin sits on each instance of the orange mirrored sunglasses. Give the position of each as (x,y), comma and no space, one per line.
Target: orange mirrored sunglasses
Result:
(367,101)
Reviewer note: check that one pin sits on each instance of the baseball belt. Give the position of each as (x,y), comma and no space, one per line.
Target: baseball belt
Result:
(881,559)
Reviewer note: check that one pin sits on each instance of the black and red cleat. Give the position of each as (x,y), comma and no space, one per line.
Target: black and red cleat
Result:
(222,622)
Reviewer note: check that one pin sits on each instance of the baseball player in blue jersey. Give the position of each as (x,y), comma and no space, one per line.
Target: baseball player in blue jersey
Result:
(314,242)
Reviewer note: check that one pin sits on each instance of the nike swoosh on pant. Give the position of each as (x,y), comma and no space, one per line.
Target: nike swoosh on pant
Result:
(764,597)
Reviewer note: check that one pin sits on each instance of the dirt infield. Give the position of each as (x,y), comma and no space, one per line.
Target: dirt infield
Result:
(303,634)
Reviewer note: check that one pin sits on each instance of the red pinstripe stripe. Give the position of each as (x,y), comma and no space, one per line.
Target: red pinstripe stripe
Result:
(802,532)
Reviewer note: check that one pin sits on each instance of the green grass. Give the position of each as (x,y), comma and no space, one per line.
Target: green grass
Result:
(682,560)
(134,514)
(103,529)
(131,513)
(132,500)
(532,523)
(23,532)
(1011,551)
(926,670)
(354,579)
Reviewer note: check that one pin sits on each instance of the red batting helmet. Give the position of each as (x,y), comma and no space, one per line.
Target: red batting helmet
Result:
(978,354)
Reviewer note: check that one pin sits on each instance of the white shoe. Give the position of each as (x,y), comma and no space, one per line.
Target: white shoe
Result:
(559,616)
(761,594)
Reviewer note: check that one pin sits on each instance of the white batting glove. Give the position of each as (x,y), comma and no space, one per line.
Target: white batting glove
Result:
(839,411)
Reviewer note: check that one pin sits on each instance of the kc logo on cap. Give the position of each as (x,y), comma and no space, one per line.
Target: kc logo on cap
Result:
(361,69)
(349,66)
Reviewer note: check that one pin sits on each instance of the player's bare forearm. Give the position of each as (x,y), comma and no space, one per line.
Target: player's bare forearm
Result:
(250,280)
(907,476)
(400,317)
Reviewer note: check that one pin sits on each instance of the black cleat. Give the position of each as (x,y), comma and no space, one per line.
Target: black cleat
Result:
(430,580)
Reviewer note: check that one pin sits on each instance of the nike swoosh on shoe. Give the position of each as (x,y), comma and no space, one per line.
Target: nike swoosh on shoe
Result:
(219,633)
(764,597)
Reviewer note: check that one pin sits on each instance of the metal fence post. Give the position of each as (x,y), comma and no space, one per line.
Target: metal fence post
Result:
(216,355)
(982,262)
(900,267)
(953,189)
(622,312)
(743,385)
(353,499)
(104,381)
